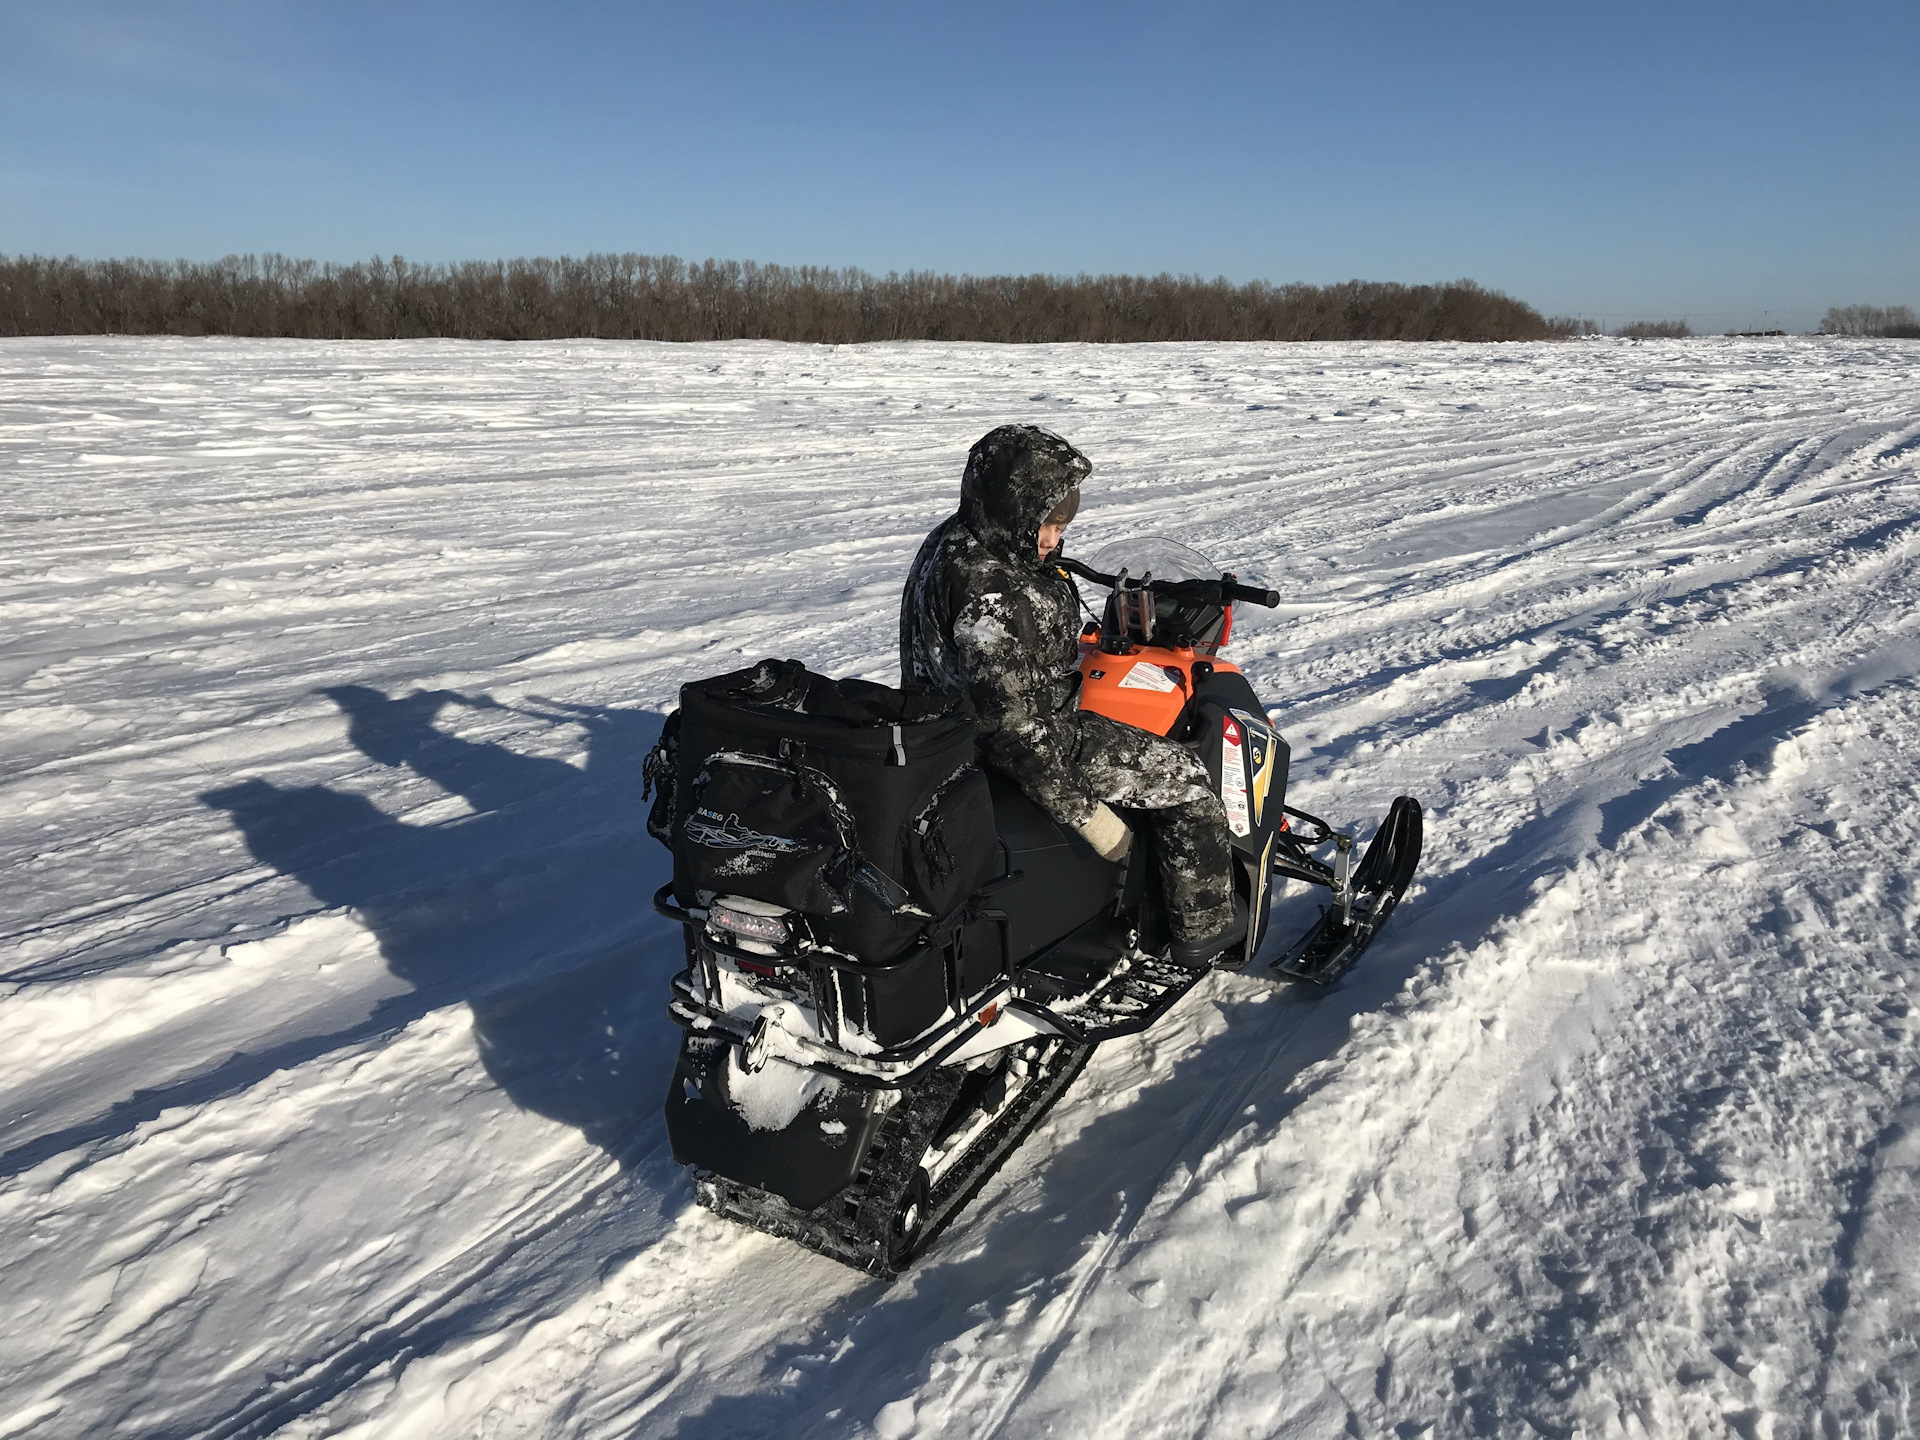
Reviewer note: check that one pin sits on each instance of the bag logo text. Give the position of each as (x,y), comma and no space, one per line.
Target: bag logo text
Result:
(717,832)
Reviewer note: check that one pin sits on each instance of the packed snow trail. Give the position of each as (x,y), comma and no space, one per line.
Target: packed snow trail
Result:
(334,1037)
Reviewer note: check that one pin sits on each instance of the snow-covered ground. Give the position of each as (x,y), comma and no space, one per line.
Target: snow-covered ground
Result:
(333,1032)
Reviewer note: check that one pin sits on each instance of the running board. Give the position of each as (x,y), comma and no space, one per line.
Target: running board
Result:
(1098,985)
(1135,993)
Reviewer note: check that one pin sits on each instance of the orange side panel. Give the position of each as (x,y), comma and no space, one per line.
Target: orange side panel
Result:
(1147,688)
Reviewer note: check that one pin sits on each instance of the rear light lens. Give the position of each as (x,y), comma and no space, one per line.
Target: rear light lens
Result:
(767,929)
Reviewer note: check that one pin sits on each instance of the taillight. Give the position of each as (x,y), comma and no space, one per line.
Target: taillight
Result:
(746,924)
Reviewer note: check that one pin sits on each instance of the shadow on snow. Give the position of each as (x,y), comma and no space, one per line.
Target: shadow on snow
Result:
(527,910)
(533,911)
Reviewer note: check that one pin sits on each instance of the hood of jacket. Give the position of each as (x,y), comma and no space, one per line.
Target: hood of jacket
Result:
(1015,476)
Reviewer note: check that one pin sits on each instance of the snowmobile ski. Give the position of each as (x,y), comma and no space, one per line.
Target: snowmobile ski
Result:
(1331,946)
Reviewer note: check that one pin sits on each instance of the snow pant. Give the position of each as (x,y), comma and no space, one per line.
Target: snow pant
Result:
(1130,768)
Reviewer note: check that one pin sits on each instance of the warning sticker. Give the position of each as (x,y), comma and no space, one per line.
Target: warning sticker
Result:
(1260,750)
(1147,677)
(1233,778)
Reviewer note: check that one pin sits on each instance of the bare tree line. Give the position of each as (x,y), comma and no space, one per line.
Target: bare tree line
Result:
(1574,327)
(1896,322)
(1655,330)
(647,297)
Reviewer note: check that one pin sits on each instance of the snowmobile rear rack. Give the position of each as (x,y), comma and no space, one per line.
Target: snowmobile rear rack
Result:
(1062,992)
(883,1069)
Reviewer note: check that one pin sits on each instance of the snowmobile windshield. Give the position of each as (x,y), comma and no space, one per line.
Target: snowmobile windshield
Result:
(1168,559)
(1165,559)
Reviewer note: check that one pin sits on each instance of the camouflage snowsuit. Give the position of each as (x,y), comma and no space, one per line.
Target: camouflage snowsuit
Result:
(984,616)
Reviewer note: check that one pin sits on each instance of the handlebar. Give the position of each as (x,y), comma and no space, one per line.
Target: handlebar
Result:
(1223,591)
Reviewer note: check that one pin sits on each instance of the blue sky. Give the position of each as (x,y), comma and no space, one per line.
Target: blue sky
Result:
(1735,163)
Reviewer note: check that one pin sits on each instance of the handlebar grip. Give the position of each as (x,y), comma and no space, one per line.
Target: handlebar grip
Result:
(1268,598)
(1087,572)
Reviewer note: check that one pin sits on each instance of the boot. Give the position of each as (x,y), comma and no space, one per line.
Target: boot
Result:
(1218,950)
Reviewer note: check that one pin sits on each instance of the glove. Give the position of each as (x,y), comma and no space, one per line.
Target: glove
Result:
(1107,833)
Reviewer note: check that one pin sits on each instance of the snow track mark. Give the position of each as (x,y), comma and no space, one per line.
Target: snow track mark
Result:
(1604,1137)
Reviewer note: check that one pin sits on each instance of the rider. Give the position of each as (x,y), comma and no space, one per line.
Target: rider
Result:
(987,612)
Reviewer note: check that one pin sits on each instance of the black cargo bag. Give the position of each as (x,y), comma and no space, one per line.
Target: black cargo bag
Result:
(857,805)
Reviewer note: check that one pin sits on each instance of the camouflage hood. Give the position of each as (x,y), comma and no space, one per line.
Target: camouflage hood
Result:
(1015,476)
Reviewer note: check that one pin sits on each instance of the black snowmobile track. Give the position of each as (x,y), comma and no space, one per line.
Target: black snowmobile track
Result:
(862,1226)
(1329,949)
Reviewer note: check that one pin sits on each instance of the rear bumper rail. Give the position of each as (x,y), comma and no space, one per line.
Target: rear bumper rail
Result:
(1140,989)
(885,1069)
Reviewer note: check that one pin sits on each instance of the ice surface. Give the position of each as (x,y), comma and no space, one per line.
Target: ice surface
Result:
(334,1038)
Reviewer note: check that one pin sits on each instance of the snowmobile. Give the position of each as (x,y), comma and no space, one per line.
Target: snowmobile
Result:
(897,962)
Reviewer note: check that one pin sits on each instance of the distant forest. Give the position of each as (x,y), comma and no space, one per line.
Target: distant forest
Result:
(647,297)
(1887,322)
